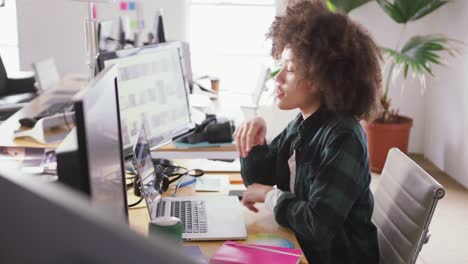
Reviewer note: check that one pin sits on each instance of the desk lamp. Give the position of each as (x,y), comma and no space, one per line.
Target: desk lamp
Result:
(92,47)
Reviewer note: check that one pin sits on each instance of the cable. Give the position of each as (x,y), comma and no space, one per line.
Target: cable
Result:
(135,185)
(178,185)
(135,203)
(65,119)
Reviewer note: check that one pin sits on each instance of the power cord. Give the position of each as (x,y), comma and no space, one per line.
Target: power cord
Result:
(136,186)
(178,185)
(64,116)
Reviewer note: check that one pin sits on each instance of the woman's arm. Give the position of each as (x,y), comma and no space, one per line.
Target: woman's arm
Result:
(260,164)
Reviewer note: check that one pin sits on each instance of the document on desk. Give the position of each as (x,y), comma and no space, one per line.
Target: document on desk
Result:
(210,165)
(30,160)
(213,183)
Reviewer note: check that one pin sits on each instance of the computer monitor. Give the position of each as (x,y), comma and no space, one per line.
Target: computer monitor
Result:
(152,91)
(46,73)
(90,159)
(50,223)
(159,27)
(106,39)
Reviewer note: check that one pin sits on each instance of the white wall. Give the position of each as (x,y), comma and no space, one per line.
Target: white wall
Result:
(446,100)
(56,28)
(9,37)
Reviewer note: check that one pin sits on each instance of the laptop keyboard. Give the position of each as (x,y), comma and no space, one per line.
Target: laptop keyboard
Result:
(192,215)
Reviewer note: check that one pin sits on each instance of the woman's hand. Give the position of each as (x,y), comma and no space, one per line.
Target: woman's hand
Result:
(249,134)
(255,193)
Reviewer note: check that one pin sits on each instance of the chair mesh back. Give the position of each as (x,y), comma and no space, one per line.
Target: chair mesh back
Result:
(404,203)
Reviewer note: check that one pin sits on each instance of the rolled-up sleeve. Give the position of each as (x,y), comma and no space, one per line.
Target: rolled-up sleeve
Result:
(259,166)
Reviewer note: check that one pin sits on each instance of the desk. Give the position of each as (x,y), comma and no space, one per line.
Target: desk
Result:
(256,223)
(50,96)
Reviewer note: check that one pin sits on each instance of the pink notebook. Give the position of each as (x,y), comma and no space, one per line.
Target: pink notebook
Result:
(234,252)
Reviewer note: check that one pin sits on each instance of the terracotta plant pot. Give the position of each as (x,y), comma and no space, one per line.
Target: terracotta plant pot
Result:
(382,137)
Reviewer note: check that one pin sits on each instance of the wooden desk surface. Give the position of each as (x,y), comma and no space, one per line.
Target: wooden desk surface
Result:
(262,222)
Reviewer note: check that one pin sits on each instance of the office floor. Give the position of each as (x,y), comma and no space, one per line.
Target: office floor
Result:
(449,226)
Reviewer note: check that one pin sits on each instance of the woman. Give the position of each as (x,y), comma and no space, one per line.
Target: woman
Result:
(319,163)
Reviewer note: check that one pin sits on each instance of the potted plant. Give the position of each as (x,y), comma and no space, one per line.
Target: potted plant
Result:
(418,54)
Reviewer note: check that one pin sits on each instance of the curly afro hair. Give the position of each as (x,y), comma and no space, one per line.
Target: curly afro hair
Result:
(335,53)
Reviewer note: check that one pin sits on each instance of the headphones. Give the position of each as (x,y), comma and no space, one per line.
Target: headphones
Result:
(165,169)
(161,183)
(212,131)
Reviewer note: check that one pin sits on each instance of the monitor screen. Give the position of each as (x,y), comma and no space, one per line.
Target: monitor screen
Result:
(100,144)
(152,92)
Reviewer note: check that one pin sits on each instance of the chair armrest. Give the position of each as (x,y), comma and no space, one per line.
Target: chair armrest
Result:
(21,85)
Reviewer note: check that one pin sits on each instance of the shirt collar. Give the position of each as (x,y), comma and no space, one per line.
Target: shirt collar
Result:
(314,121)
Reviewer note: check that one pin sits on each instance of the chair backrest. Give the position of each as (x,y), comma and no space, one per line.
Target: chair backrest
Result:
(3,79)
(405,201)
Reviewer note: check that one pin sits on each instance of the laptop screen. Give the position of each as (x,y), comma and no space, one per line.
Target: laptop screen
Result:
(146,172)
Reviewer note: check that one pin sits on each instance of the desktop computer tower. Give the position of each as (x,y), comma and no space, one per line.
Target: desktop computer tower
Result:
(70,168)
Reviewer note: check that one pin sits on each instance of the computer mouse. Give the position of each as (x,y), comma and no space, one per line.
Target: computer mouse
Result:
(166,221)
(27,122)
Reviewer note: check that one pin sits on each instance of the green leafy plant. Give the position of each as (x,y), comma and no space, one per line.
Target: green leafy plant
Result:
(344,5)
(417,55)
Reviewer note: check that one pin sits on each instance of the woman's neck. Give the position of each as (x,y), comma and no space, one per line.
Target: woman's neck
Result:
(309,110)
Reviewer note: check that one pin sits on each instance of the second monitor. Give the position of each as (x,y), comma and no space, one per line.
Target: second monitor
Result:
(90,158)
(152,92)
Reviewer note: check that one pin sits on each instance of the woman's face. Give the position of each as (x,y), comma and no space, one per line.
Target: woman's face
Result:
(292,90)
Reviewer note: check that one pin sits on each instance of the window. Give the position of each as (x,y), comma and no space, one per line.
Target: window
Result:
(9,36)
(227,40)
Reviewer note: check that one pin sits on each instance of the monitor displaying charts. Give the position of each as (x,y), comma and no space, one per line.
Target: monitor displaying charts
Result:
(152,92)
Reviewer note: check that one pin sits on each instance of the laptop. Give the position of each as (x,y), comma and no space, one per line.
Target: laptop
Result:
(213,217)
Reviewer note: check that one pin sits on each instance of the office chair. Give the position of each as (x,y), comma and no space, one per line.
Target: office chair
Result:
(405,201)
(14,92)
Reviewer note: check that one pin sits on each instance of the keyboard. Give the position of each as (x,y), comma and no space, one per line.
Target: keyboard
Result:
(192,215)
(56,108)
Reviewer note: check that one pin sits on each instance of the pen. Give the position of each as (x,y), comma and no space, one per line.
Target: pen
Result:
(185,183)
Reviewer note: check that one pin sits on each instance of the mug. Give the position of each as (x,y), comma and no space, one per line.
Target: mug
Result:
(167,227)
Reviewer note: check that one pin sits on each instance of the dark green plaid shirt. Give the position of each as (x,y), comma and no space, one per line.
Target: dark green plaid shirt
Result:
(331,207)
